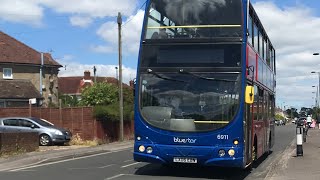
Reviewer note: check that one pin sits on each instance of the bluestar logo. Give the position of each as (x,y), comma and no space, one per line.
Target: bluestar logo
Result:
(184,140)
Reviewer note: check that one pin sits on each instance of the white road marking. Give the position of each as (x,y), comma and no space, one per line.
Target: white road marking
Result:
(25,165)
(130,164)
(85,168)
(28,170)
(128,160)
(116,176)
(66,160)
(106,166)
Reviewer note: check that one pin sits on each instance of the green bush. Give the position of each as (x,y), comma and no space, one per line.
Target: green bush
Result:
(111,112)
(279,117)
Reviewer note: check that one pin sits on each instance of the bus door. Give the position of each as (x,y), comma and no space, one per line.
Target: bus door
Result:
(248,132)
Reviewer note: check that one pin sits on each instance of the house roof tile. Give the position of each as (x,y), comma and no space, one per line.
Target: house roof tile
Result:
(14,51)
(18,89)
(72,85)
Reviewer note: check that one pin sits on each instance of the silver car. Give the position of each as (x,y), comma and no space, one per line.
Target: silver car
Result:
(48,133)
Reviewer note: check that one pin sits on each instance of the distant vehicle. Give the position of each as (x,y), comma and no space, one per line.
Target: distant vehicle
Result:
(293,121)
(48,133)
(301,121)
(279,122)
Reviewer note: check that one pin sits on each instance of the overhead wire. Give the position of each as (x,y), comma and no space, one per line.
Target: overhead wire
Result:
(140,7)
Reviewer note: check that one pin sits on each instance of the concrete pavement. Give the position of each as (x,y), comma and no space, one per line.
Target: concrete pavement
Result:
(55,155)
(306,167)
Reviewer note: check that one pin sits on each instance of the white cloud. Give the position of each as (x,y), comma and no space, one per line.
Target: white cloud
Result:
(88,9)
(21,11)
(76,69)
(103,49)
(294,33)
(92,8)
(130,34)
(32,11)
(80,21)
(293,28)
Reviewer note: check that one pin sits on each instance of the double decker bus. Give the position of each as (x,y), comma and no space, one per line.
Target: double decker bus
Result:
(205,86)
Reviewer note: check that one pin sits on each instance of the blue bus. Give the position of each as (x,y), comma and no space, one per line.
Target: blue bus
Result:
(205,86)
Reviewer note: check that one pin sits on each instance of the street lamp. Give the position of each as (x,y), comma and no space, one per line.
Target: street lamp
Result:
(316,100)
(318,91)
(116,68)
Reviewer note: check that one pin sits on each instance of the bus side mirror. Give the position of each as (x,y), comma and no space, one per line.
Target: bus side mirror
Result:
(249,94)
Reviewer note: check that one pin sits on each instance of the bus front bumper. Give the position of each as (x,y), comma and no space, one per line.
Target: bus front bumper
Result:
(163,155)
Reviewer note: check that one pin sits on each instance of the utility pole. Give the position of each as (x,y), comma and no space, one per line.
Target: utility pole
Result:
(41,67)
(318,90)
(119,21)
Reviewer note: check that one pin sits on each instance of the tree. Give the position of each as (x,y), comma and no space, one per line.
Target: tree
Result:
(292,113)
(279,117)
(99,94)
(69,100)
(105,99)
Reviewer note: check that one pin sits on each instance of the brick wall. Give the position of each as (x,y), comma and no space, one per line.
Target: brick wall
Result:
(77,120)
(18,142)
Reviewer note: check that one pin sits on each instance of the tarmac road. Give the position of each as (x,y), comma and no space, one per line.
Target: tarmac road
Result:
(119,165)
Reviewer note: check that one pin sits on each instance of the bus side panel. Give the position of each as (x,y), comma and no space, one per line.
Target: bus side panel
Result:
(259,133)
(261,126)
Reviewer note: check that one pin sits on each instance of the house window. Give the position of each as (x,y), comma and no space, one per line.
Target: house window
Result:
(7,73)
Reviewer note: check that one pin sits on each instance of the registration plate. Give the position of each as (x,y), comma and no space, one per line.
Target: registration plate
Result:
(185,160)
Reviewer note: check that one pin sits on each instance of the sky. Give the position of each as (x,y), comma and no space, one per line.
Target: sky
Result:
(81,34)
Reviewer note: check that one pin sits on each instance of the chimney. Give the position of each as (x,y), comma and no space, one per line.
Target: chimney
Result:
(87,75)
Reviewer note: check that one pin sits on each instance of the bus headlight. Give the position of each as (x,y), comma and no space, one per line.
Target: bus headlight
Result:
(235,142)
(142,148)
(149,150)
(231,152)
(222,152)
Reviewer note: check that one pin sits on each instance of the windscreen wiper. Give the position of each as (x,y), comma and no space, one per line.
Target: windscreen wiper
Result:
(162,77)
(182,71)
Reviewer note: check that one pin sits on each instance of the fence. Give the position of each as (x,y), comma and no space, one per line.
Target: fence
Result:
(13,142)
(79,120)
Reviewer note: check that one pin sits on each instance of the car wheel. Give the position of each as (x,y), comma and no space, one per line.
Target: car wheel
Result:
(44,140)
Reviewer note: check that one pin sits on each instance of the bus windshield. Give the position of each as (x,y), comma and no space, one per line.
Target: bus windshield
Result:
(191,19)
(189,101)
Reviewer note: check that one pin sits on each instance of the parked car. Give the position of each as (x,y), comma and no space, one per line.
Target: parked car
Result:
(48,133)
